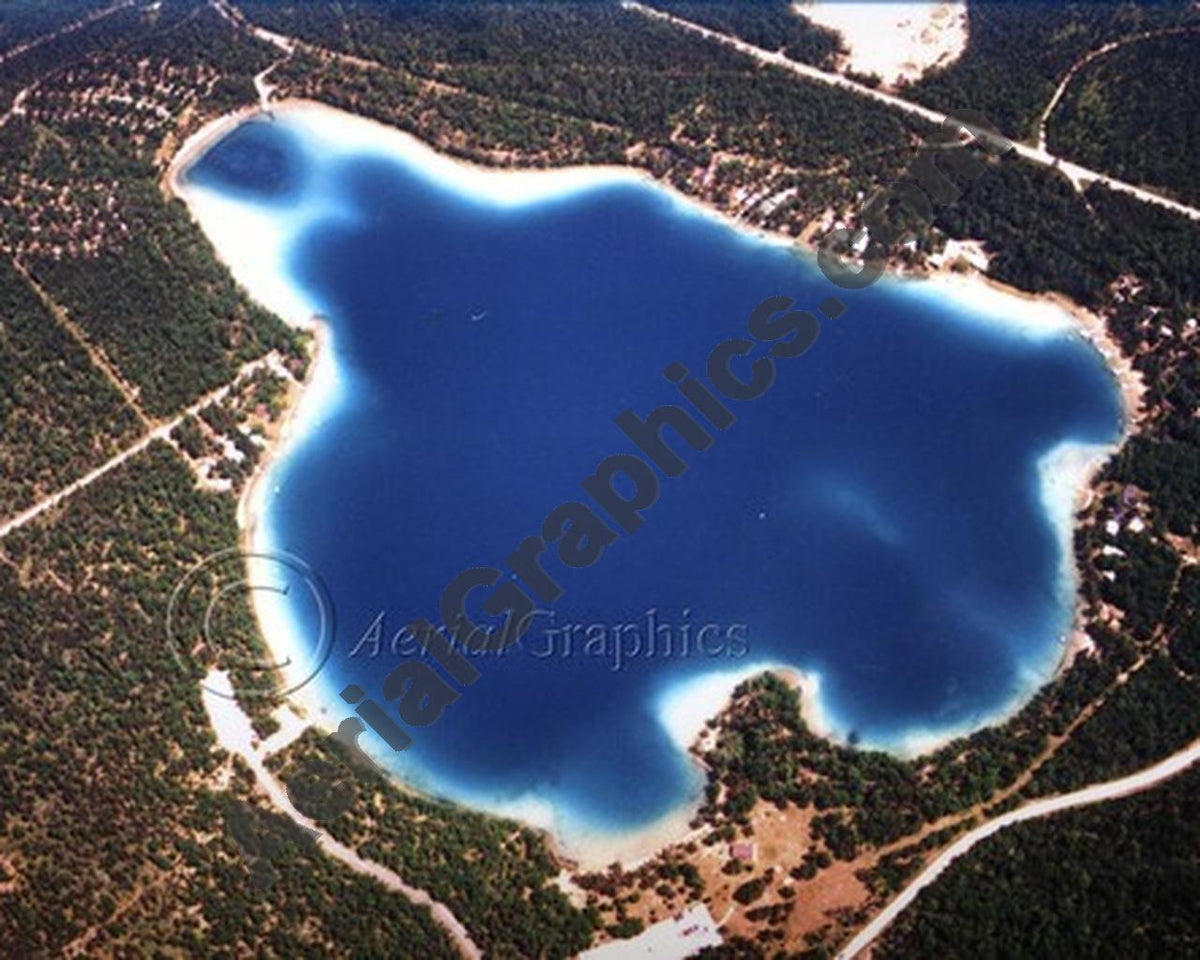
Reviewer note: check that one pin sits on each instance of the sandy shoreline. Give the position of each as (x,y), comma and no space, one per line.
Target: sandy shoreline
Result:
(304,405)
(1079,463)
(198,142)
(1068,471)
(1086,324)
(253,539)
(506,186)
(684,712)
(686,717)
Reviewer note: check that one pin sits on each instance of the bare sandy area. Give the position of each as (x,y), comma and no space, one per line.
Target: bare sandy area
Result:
(895,41)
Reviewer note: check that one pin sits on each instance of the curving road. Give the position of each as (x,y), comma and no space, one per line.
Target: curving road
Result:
(18,103)
(235,733)
(1079,176)
(1088,58)
(1110,790)
(1113,789)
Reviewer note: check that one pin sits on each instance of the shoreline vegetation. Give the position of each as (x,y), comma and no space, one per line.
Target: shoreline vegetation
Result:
(691,721)
(138,835)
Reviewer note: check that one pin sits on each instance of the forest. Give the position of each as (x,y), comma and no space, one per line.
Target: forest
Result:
(116,829)
(770,24)
(1112,881)
(59,417)
(24,20)
(1019,52)
(154,848)
(560,83)
(110,817)
(1127,112)
(116,258)
(495,875)
(43,58)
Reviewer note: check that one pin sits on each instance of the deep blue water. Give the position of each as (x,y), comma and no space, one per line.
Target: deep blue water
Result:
(874,517)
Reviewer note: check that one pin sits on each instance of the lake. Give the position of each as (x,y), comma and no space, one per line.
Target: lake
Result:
(878,519)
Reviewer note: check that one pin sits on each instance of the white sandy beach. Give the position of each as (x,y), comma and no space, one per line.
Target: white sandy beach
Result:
(253,243)
(1065,474)
(683,711)
(344,134)
(686,708)
(982,301)
(894,41)
(1037,317)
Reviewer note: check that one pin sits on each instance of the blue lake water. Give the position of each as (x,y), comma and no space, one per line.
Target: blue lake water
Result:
(876,517)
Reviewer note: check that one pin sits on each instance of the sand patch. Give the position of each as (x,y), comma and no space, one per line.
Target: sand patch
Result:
(895,41)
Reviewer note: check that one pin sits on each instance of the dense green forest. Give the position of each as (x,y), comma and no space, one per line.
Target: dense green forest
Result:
(1113,881)
(560,83)
(42,59)
(770,24)
(1041,233)
(1016,56)
(1044,236)
(1018,53)
(111,819)
(115,823)
(24,20)
(494,874)
(1132,113)
(114,254)
(765,751)
(58,415)
(117,830)
(1156,711)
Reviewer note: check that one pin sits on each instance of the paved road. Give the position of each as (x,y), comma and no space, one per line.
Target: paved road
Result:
(1079,176)
(1110,790)
(1096,793)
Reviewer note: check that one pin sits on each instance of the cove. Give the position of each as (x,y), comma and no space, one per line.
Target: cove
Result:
(878,519)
